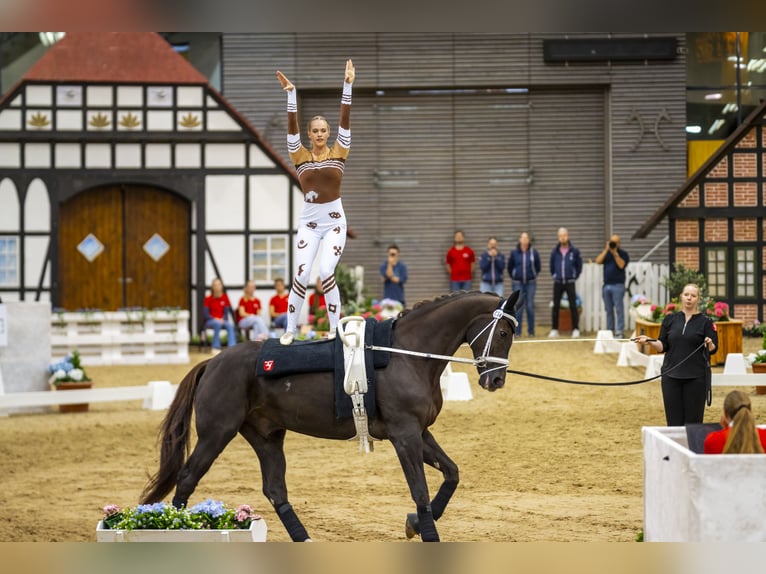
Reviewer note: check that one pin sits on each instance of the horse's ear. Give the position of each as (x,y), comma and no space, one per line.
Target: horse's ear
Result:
(510,304)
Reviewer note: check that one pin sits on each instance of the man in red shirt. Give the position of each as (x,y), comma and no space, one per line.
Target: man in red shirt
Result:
(278,304)
(460,263)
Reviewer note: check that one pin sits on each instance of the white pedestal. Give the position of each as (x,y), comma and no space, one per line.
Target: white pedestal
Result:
(455,386)
(606,343)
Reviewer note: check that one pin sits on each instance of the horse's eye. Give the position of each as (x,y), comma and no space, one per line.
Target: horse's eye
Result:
(503,334)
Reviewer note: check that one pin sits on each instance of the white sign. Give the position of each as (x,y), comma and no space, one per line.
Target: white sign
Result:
(3,325)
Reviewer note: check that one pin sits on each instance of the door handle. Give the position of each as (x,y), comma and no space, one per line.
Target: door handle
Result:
(125,280)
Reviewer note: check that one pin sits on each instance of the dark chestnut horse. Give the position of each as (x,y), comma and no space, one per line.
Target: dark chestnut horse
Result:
(228,397)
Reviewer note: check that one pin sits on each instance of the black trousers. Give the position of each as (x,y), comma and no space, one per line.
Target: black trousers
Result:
(558,290)
(684,400)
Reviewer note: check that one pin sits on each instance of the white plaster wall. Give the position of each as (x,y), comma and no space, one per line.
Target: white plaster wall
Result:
(258,158)
(37,155)
(35,258)
(24,362)
(225,202)
(229,254)
(297,205)
(9,199)
(225,155)
(37,212)
(10,155)
(269,202)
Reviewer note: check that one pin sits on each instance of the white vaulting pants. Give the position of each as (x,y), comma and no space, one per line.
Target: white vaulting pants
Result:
(322,230)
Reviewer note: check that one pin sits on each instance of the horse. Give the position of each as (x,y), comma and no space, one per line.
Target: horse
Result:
(228,397)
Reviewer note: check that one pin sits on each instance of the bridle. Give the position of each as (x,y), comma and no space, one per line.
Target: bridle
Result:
(481,360)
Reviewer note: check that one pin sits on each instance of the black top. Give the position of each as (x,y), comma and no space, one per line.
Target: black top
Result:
(679,339)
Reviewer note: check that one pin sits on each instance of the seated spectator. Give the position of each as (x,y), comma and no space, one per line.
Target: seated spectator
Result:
(316,300)
(278,304)
(739,434)
(217,306)
(249,313)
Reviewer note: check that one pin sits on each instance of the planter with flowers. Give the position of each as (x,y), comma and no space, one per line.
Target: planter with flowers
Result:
(208,521)
(758,363)
(649,319)
(729,330)
(69,374)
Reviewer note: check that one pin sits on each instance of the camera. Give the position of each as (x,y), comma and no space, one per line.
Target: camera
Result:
(612,245)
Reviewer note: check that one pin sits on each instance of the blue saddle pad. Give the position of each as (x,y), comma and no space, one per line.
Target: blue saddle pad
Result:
(277,360)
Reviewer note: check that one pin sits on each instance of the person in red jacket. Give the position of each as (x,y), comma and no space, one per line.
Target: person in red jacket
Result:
(249,313)
(278,304)
(460,263)
(739,434)
(217,307)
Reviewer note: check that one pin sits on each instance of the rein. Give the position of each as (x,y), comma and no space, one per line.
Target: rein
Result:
(621,384)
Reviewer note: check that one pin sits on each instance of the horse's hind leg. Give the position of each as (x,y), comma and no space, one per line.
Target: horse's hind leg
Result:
(209,445)
(271,456)
(434,456)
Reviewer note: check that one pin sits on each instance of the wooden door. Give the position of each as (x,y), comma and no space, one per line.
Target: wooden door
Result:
(127,272)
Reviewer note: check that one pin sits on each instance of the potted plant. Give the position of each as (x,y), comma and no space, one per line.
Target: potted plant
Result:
(207,521)
(69,374)
(758,362)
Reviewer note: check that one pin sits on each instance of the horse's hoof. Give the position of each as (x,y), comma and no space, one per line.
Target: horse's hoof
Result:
(412,525)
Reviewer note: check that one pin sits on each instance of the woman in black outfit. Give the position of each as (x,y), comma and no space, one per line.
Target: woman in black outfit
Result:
(684,390)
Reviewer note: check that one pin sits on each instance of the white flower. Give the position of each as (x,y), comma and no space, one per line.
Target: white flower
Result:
(750,358)
(59,374)
(76,374)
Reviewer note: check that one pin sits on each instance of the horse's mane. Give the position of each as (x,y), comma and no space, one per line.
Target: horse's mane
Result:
(429,304)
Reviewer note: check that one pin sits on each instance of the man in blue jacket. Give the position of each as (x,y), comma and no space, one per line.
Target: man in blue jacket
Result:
(566,266)
(492,265)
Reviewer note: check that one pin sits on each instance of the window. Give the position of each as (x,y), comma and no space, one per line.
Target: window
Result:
(716,271)
(268,258)
(744,263)
(9,261)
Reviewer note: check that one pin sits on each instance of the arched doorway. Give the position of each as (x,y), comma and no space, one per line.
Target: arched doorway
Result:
(124,246)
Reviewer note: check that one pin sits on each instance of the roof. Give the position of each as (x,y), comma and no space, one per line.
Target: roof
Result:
(114,57)
(696,178)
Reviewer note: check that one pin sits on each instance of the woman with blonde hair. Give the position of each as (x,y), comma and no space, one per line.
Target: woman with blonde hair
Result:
(739,434)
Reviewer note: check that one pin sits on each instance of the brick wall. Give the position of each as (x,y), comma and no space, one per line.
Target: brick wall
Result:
(689,257)
(716,194)
(748,314)
(749,140)
(746,229)
(691,200)
(746,194)
(716,229)
(721,169)
(745,165)
(687,231)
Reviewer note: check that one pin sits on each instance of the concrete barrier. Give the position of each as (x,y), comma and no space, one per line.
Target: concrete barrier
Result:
(692,497)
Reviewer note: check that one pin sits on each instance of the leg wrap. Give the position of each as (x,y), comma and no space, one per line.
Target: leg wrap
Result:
(291,522)
(439,503)
(427,525)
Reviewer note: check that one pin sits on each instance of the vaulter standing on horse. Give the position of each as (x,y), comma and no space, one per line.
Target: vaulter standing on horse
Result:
(323,222)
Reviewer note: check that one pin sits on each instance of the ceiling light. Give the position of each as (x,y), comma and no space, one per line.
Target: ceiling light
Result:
(715,96)
(50,38)
(715,126)
(693,129)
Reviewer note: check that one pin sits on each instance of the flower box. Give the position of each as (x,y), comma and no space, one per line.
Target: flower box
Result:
(256,533)
(729,340)
(651,330)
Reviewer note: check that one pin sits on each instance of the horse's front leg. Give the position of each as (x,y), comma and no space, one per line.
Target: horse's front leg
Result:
(434,456)
(409,449)
(271,456)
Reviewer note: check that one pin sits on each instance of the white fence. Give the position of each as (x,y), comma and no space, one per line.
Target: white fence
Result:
(122,337)
(642,278)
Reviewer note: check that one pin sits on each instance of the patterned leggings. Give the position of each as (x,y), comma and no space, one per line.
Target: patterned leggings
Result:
(322,231)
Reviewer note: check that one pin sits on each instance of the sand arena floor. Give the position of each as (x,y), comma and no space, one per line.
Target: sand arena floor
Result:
(539,461)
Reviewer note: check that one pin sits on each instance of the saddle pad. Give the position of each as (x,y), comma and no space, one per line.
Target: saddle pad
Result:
(277,360)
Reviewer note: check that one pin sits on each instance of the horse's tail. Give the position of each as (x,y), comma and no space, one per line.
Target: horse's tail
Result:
(175,437)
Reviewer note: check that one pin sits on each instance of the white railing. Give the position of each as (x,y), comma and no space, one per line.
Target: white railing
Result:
(642,278)
(122,337)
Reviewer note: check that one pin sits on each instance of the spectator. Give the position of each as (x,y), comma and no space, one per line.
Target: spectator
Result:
(217,306)
(278,304)
(565,267)
(460,263)
(523,267)
(394,275)
(686,367)
(739,434)
(316,299)
(249,313)
(322,231)
(492,265)
(614,260)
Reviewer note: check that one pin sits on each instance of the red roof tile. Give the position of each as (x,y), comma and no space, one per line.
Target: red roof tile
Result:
(114,57)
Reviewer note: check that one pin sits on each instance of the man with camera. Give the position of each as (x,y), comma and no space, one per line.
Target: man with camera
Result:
(614,261)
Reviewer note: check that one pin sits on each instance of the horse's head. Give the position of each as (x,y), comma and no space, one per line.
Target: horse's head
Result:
(491,343)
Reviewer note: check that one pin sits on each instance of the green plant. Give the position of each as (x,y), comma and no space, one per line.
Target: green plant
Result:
(760,356)
(348,288)
(210,514)
(681,276)
(68,370)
